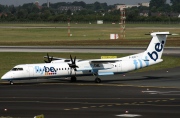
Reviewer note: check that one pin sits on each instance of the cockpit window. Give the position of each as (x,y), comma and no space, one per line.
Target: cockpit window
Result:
(17,69)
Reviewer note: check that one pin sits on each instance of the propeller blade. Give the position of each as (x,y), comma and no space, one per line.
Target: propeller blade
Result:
(71,58)
(74,60)
(73,63)
(49,59)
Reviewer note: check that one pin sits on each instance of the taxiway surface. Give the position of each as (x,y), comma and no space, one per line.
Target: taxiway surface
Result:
(151,94)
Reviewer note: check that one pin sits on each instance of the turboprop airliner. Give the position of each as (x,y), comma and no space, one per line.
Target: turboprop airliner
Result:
(61,67)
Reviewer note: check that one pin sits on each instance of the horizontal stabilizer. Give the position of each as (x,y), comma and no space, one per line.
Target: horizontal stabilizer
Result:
(161,33)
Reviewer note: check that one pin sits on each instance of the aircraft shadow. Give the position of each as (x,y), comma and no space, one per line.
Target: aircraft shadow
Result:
(144,78)
(89,81)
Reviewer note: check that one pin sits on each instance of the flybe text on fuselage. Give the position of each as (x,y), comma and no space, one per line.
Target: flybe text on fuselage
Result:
(158,48)
(45,70)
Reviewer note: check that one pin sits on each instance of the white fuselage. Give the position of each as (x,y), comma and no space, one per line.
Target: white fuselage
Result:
(85,68)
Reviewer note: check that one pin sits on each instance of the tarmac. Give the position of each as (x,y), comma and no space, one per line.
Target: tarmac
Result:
(150,94)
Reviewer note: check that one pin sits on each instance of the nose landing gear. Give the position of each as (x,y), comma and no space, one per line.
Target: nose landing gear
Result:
(11,82)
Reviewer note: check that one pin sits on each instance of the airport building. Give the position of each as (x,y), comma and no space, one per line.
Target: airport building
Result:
(123,6)
(146,4)
(72,8)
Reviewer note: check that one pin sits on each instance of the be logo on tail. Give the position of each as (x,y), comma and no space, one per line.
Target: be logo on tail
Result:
(158,48)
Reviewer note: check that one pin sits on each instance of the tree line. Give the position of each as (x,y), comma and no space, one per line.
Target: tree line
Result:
(89,13)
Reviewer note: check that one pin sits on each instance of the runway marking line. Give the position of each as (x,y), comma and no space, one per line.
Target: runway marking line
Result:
(172,99)
(134,103)
(149,101)
(93,106)
(102,106)
(157,100)
(84,107)
(164,100)
(109,105)
(118,104)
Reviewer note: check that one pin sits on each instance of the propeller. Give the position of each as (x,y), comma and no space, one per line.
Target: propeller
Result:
(49,59)
(73,63)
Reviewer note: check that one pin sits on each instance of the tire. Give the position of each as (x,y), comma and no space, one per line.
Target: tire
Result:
(98,80)
(73,79)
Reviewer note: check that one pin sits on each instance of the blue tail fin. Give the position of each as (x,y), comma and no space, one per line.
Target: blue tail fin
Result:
(156,46)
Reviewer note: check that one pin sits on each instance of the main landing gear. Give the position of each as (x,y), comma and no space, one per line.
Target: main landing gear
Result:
(73,79)
(98,80)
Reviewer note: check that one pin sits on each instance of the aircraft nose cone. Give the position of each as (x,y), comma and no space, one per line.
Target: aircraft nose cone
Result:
(2,77)
(5,76)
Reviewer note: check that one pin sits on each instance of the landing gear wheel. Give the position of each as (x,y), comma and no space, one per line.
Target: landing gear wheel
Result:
(73,79)
(11,82)
(98,80)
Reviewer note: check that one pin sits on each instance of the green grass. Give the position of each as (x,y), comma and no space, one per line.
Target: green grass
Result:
(94,24)
(54,34)
(50,36)
(10,59)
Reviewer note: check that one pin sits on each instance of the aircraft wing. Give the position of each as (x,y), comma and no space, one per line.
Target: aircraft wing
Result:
(97,65)
(102,64)
(103,61)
